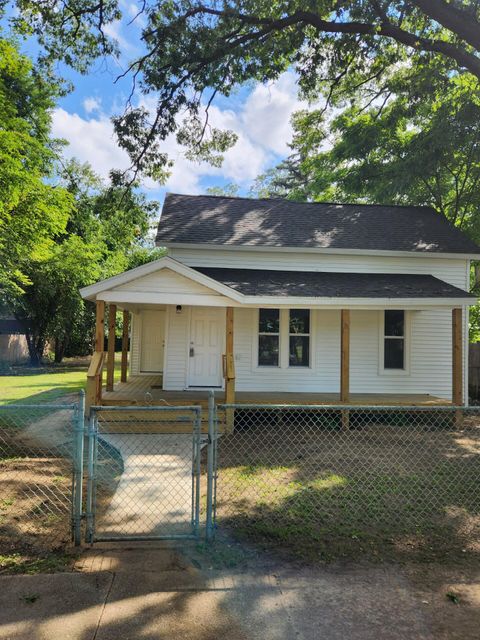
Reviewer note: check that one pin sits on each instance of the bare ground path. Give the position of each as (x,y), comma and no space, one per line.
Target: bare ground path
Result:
(154,492)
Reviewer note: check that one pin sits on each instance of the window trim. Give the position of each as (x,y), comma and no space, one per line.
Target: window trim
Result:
(269,333)
(406,345)
(283,346)
(304,335)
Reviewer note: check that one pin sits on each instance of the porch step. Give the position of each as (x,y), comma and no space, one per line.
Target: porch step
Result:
(144,421)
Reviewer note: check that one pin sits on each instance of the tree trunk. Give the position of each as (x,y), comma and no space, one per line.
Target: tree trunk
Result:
(60,346)
(36,348)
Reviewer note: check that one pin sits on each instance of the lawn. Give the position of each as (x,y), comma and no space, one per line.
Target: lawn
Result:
(49,384)
(380,490)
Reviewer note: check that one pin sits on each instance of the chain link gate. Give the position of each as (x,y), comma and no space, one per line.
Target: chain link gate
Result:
(144,472)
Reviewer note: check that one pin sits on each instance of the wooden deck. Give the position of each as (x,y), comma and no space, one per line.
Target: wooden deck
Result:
(146,390)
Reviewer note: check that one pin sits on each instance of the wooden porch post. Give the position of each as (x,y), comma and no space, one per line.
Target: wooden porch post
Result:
(457,359)
(345,356)
(94,392)
(123,371)
(100,326)
(229,369)
(112,316)
(345,364)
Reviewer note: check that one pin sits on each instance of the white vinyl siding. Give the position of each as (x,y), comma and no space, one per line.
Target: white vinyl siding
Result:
(429,343)
(430,354)
(166,281)
(176,346)
(452,271)
(135,329)
(430,370)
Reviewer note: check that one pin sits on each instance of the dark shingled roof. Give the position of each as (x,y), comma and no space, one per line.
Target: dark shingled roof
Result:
(320,284)
(226,221)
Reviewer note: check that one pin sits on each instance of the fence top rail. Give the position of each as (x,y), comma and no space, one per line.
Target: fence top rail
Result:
(351,407)
(70,405)
(104,408)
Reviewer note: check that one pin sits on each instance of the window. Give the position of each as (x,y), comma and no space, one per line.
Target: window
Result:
(268,337)
(394,340)
(299,338)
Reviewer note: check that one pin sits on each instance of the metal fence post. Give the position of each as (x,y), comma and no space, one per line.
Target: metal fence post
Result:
(209,534)
(90,478)
(78,449)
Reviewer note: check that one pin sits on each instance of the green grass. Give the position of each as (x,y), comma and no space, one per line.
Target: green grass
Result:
(50,384)
(41,387)
(380,492)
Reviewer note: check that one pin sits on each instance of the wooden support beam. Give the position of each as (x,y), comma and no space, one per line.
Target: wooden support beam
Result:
(94,381)
(229,369)
(345,365)
(457,359)
(99,345)
(345,356)
(124,365)
(100,326)
(112,316)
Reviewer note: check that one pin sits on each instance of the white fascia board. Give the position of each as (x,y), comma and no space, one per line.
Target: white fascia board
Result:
(327,250)
(355,303)
(92,292)
(153,298)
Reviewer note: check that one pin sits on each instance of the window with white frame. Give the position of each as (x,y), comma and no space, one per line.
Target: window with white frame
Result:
(299,338)
(394,340)
(269,337)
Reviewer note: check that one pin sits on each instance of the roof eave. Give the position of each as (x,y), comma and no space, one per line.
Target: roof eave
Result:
(326,250)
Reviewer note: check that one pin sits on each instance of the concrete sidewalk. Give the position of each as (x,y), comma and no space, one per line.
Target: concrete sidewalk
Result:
(154,495)
(155,593)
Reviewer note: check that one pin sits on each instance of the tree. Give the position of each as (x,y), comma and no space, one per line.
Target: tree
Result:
(105,234)
(32,210)
(192,50)
(418,147)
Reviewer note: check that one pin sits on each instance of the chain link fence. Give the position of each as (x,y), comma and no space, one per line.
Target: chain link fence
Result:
(37,445)
(327,479)
(144,466)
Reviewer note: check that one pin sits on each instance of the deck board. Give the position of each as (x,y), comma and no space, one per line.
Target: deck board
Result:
(144,390)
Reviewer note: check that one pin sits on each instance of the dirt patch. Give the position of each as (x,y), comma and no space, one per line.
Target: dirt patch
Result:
(34,513)
(377,492)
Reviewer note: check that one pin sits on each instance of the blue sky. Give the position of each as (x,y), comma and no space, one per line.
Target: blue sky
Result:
(259,114)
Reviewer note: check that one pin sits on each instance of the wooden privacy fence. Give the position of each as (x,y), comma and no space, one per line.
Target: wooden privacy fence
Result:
(474,371)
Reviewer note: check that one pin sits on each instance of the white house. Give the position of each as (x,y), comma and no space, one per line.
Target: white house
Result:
(286,301)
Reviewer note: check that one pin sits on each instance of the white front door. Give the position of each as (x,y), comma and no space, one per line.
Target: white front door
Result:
(206,347)
(153,341)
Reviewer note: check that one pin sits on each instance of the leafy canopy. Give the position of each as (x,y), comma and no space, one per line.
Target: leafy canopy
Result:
(414,140)
(32,210)
(191,50)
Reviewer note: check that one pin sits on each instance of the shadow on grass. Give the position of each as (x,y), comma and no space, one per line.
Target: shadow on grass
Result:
(382,491)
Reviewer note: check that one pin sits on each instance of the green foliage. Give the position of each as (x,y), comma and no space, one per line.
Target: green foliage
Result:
(411,139)
(230,190)
(104,234)
(191,51)
(32,210)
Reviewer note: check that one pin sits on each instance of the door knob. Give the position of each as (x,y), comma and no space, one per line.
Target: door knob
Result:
(192,352)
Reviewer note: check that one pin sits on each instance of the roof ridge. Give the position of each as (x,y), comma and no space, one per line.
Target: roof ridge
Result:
(338,204)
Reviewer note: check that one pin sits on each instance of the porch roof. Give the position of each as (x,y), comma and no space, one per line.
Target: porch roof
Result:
(167,281)
(324,284)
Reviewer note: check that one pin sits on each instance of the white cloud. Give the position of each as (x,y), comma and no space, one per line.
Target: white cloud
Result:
(267,112)
(90,141)
(92,104)
(262,123)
